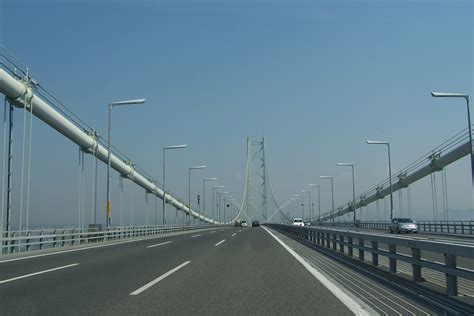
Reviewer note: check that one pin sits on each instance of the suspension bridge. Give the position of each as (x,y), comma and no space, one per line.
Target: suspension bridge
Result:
(200,261)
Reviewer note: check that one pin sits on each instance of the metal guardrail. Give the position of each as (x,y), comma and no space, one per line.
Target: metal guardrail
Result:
(337,240)
(444,227)
(16,241)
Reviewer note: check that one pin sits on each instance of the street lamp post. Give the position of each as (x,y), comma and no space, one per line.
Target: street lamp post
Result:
(225,205)
(111,105)
(293,208)
(377,142)
(309,199)
(319,197)
(164,176)
(219,204)
(467,98)
(214,200)
(302,203)
(204,193)
(346,164)
(332,195)
(189,189)
(290,208)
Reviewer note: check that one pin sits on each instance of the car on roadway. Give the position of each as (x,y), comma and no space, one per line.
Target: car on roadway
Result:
(243,224)
(406,225)
(307,223)
(255,224)
(298,222)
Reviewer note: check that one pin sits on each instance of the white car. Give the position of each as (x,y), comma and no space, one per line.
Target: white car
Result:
(243,224)
(298,222)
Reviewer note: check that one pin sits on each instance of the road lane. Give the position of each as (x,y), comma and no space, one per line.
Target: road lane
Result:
(248,274)
(105,276)
(28,263)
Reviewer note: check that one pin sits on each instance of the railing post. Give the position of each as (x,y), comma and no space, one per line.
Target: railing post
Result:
(63,238)
(341,243)
(416,255)
(375,256)
(54,238)
(80,237)
(361,251)
(28,241)
(328,240)
(349,247)
(451,280)
(392,262)
(11,249)
(41,240)
(334,242)
(72,237)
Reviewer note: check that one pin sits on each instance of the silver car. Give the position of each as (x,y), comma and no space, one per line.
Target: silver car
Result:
(405,225)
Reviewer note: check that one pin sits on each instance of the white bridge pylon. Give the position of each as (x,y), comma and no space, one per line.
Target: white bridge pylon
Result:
(259,202)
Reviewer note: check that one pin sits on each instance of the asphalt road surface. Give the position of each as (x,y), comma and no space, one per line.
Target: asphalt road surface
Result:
(222,271)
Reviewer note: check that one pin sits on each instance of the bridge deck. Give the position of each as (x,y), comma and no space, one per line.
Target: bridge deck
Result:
(248,273)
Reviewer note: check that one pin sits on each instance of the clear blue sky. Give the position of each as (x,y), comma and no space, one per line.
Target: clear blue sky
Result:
(316,78)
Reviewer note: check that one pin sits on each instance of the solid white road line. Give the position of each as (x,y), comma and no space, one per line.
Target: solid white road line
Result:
(355,307)
(196,236)
(40,272)
(160,244)
(220,242)
(234,234)
(158,279)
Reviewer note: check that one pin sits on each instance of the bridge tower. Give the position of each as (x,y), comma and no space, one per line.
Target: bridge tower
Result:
(259,202)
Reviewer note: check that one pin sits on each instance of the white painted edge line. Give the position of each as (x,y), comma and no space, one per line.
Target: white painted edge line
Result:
(160,244)
(353,305)
(40,272)
(234,234)
(220,242)
(158,279)
(196,236)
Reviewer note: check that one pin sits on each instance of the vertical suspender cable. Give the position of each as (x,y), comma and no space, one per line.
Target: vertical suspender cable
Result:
(82,189)
(4,148)
(79,187)
(156,211)
(8,215)
(29,167)
(131,202)
(400,202)
(444,193)
(434,197)
(93,186)
(146,208)
(22,182)
(94,182)
(377,207)
(121,201)
(409,201)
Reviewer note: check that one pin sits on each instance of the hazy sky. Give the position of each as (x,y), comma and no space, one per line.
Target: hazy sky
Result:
(316,78)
